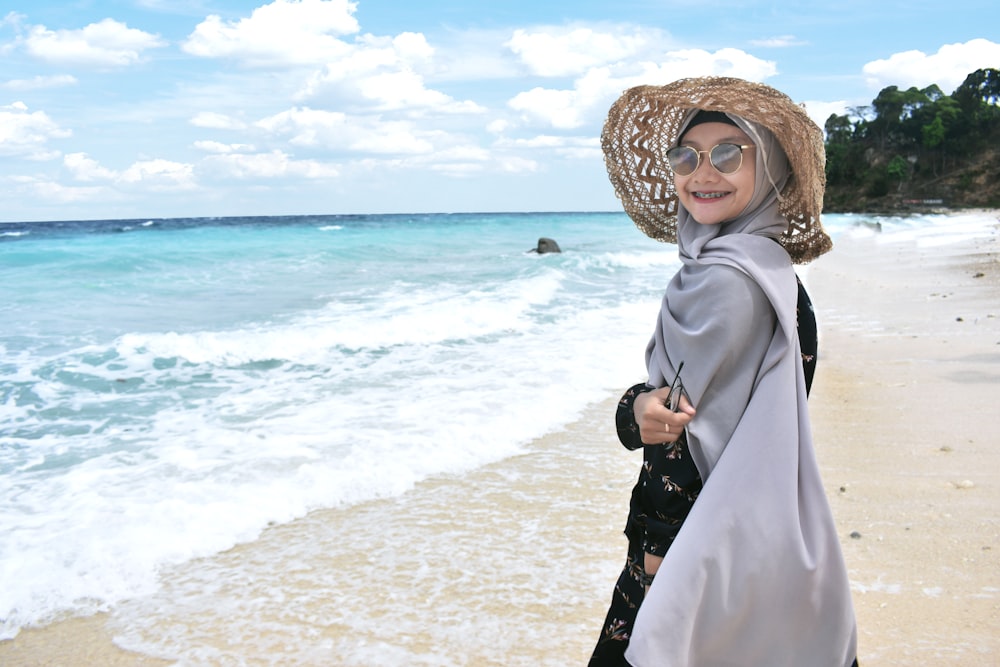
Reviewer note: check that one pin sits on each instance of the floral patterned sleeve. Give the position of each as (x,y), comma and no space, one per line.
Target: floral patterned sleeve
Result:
(628,429)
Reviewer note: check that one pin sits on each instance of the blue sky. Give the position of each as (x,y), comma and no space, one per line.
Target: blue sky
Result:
(165,108)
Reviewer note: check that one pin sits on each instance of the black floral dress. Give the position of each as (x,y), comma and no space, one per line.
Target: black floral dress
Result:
(667,488)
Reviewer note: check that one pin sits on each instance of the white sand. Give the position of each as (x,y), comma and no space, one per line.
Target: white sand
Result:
(907,408)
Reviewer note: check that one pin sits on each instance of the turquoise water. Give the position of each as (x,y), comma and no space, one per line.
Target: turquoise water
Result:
(169,388)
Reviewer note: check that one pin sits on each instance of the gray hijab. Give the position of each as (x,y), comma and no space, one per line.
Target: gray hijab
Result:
(756,575)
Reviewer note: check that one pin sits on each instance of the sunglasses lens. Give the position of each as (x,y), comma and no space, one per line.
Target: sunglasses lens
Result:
(683,160)
(727,158)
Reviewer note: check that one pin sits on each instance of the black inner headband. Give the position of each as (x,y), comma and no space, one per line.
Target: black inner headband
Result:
(707,117)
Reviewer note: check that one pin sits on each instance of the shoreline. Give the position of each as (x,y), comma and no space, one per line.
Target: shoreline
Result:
(513,564)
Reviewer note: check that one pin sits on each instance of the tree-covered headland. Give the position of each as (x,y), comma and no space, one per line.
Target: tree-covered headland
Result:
(917,149)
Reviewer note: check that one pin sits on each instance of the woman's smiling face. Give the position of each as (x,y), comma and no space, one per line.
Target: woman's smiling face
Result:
(710,196)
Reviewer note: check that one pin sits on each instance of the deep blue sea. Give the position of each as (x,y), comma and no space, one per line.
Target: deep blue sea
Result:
(171,387)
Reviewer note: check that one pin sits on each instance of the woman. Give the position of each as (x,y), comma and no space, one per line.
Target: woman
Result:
(733,555)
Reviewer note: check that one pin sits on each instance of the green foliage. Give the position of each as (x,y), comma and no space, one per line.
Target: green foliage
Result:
(907,138)
(933,134)
(897,168)
(838,129)
(981,86)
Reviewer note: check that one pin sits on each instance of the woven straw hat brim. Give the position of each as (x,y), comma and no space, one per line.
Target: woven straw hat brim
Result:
(644,123)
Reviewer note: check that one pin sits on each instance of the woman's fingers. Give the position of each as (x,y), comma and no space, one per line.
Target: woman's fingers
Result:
(657,423)
(686,406)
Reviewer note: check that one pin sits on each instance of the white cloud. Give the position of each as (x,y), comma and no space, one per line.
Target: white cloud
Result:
(513,164)
(370,55)
(406,90)
(159,174)
(574,148)
(338,131)
(473,55)
(384,74)
(273,165)
(40,82)
(458,169)
(821,111)
(12,18)
(456,161)
(228,161)
(780,42)
(594,91)
(698,62)
(108,43)
(378,73)
(393,138)
(84,168)
(26,134)
(570,109)
(466,160)
(461,153)
(548,141)
(558,108)
(217,121)
(541,141)
(498,126)
(947,68)
(592,154)
(284,32)
(308,127)
(221,148)
(56,193)
(411,47)
(571,51)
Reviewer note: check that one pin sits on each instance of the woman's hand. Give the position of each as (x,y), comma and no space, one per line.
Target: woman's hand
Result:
(657,423)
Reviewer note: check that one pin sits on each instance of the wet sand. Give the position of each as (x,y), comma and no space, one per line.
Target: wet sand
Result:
(513,564)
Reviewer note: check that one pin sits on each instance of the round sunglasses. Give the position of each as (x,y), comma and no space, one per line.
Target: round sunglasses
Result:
(726,158)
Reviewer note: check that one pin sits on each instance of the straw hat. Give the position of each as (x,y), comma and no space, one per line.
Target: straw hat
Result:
(645,122)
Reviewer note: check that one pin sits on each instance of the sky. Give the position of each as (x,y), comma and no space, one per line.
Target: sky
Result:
(128,109)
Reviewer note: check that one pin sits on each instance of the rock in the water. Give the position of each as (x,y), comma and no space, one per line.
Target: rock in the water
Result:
(546,245)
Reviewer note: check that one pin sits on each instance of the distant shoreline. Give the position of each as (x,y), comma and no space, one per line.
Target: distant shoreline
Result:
(914,208)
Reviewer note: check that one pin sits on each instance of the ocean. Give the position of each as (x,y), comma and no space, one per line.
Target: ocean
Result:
(171,389)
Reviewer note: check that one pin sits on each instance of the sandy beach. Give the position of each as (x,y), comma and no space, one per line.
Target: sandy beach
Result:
(514,564)
(905,411)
